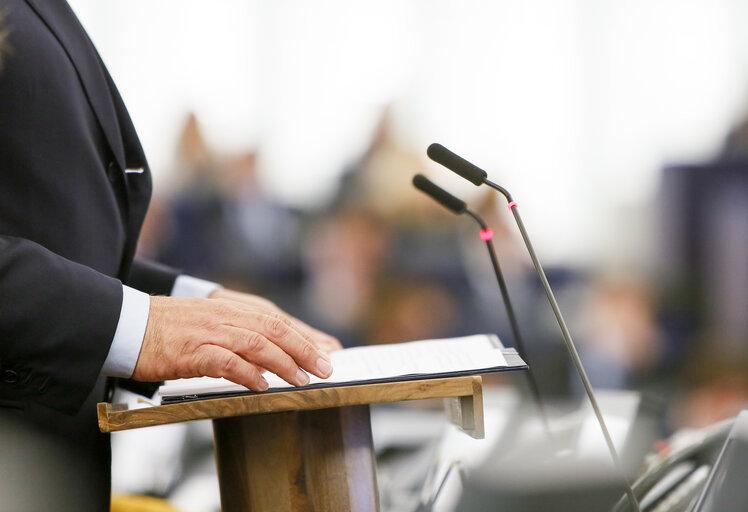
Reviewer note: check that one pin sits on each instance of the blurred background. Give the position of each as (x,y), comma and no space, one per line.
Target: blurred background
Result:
(283,135)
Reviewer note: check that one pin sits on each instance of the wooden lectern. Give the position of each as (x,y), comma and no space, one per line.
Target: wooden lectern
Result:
(305,449)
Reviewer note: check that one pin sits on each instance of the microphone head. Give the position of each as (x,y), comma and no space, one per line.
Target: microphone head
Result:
(456,164)
(440,195)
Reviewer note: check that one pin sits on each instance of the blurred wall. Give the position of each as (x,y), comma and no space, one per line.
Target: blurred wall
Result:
(575,104)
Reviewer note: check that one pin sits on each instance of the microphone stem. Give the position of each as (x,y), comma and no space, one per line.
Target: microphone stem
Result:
(534,390)
(569,343)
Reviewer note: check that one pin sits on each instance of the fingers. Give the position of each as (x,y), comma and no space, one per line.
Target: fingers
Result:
(272,341)
(262,353)
(323,341)
(214,361)
(229,339)
(293,341)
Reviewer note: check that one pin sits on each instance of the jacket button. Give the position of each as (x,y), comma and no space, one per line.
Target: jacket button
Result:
(10,377)
(113,171)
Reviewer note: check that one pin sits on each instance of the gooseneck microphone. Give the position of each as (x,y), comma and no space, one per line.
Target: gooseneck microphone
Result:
(440,195)
(478,176)
(459,207)
(457,164)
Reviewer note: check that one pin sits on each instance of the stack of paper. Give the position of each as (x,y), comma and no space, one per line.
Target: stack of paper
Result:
(375,363)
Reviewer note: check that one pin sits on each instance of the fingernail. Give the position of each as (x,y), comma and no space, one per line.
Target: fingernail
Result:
(324,367)
(302,379)
(263,384)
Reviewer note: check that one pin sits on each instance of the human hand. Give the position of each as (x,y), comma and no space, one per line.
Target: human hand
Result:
(322,340)
(226,338)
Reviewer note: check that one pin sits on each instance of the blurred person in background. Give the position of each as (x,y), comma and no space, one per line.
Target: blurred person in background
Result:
(345,255)
(405,309)
(189,226)
(220,224)
(713,387)
(380,180)
(619,336)
(705,282)
(379,225)
(77,310)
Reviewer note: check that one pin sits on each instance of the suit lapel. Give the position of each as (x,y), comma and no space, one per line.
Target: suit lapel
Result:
(62,22)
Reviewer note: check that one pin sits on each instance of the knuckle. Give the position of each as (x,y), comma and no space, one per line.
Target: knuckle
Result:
(202,363)
(227,365)
(255,342)
(307,351)
(288,368)
(187,348)
(275,327)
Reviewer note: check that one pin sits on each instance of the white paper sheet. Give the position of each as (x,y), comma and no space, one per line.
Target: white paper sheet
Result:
(375,362)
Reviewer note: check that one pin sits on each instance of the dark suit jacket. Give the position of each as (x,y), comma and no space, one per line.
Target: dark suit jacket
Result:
(69,222)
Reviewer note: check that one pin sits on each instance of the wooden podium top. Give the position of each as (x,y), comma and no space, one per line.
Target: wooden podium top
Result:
(465,406)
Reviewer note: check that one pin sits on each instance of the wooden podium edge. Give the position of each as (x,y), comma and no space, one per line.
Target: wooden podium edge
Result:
(467,411)
(465,395)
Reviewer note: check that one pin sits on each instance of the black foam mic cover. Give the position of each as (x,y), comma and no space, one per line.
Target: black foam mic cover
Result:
(456,164)
(440,195)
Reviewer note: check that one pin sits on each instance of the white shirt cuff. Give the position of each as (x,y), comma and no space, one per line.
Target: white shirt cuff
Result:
(188,286)
(128,338)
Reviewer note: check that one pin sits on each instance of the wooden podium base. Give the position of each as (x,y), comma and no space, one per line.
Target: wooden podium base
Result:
(297,461)
(302,450)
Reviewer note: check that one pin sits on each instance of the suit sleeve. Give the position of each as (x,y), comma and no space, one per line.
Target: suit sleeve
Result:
(57,321)
(151,277)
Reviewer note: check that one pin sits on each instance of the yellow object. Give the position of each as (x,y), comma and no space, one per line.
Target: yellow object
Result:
(135,503)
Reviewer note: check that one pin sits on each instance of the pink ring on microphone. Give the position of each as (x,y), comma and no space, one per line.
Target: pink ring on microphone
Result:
(486,234)
(512,204)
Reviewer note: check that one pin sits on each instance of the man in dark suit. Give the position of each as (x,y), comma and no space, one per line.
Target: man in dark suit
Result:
(76,308)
